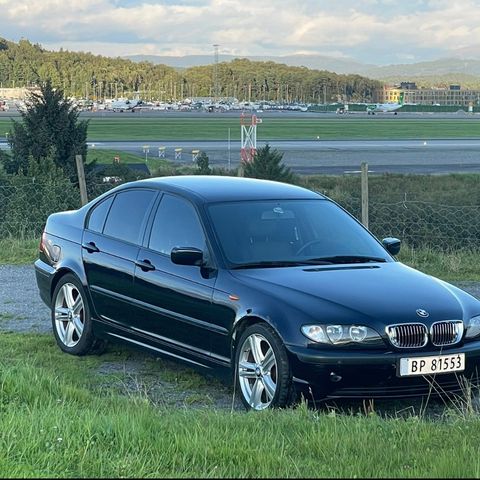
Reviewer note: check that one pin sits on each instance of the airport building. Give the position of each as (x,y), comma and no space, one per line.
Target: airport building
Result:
(454,95)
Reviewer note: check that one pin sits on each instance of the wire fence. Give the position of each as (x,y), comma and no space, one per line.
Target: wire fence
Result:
(419,223)
(25,205)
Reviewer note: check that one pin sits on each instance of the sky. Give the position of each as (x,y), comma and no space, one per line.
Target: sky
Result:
(370,31)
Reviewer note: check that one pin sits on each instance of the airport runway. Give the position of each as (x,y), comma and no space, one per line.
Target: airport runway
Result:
(333,157)
(329,157)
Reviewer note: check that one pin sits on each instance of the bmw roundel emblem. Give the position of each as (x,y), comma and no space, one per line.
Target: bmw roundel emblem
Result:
(422,313)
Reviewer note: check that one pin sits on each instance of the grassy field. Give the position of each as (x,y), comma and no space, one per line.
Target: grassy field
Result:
(106,156)
(60,418)
(451,189)
(18,252)
(136,127)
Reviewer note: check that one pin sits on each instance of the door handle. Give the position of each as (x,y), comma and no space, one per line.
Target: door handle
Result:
(145,265)
(90,247)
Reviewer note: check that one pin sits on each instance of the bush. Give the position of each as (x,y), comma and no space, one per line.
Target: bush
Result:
(29,197)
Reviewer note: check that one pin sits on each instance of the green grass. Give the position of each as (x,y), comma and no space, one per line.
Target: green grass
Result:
(17,252)
(449,189)
(460,265)
(106,156)
(173,128)
(56,420)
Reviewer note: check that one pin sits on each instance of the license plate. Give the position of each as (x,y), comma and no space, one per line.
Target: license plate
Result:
(431,365)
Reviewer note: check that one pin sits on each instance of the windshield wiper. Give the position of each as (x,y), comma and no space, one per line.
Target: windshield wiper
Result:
(282,263)
(349,259)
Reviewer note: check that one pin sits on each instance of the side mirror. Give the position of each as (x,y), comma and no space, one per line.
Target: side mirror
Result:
(392,245)
(187,256)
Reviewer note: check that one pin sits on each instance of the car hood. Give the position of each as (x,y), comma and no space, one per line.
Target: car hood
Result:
(378,294)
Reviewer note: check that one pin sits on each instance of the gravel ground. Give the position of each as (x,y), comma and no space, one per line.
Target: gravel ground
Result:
(21,309)
(162,381)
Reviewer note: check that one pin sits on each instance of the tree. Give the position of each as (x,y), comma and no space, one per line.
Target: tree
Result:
(49,126)
(267,164)
(203,164)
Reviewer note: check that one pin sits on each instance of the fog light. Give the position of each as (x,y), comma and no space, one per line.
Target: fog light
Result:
(335,333)
(358,334)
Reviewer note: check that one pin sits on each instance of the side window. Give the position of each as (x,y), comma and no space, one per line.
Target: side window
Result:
(176,224)
(127,214)
(96,221)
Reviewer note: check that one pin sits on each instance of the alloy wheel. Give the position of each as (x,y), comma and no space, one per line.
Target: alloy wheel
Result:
(257,371)
(69,315)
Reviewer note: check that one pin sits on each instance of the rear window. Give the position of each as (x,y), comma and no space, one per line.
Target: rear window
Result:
(127,214)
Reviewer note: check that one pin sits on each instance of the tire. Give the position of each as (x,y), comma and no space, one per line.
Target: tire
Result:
(262,372)
(71,321)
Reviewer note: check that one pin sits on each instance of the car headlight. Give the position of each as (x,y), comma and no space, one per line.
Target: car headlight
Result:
(343,334)
(473,329)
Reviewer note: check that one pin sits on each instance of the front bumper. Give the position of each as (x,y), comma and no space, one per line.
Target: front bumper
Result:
(367,374)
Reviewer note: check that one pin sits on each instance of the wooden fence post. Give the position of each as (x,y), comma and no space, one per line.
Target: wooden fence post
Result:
(81,180)
(365,194)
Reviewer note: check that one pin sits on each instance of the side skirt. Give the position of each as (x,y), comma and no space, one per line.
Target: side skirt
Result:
(163,346)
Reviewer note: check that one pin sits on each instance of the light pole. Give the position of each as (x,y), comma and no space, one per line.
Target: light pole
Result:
(229,163)
(146,150)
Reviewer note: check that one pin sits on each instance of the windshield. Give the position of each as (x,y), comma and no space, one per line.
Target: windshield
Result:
(269,233)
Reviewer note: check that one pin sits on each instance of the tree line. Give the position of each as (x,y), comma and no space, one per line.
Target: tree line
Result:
(84,75)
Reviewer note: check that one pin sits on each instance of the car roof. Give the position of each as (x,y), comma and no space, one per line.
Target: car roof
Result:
(211,188)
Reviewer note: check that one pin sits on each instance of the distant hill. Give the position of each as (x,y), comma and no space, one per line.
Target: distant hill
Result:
(426,81)
(443,66)
(316,62)
(442,72)
(465,71)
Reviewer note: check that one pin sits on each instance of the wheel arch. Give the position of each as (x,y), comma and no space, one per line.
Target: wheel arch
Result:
(241,325)
(59,274)
(284,393)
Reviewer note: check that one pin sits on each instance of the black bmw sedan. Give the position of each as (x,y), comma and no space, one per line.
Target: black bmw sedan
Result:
(275,284)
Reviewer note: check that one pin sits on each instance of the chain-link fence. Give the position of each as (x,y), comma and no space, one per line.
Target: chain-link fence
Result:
(420,223)
(25,205)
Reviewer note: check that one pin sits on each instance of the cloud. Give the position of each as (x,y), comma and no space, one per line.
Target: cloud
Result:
(376,31)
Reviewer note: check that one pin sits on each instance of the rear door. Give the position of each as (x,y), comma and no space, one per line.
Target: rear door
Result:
(175,301)
(115,229)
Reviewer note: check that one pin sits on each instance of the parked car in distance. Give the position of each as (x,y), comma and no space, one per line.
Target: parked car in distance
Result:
(272,283)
